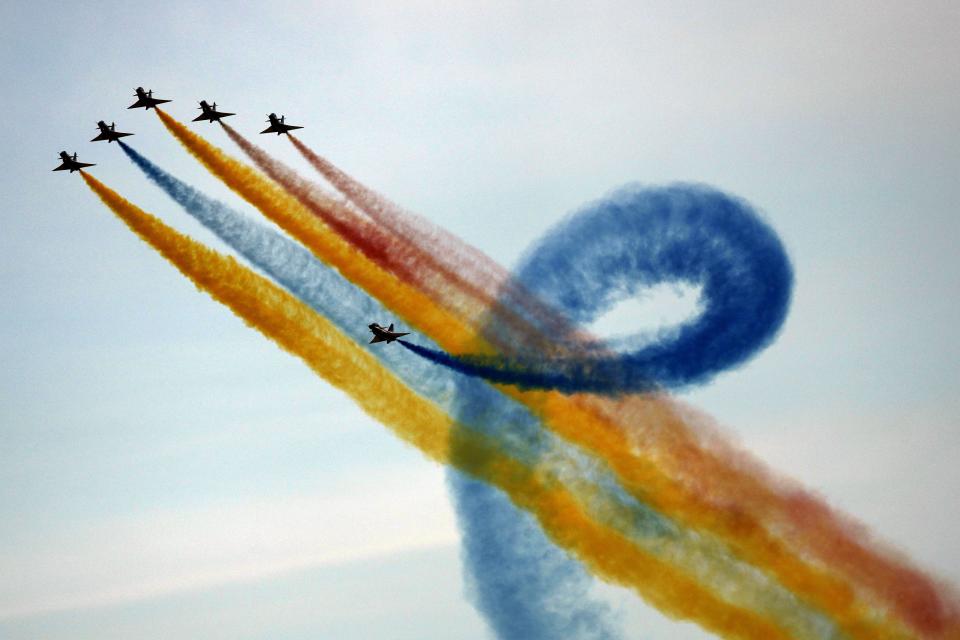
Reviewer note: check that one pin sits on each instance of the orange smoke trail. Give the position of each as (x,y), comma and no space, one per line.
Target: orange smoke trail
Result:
(577,419)
(721,476)
(298,330)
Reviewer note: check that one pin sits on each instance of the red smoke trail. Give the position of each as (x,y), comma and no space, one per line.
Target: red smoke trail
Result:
(710,469)
(482,276)
(451,286)
(456,255)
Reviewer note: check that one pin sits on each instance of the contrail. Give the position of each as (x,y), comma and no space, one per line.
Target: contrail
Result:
(597,425)
(293,267)
(294,327)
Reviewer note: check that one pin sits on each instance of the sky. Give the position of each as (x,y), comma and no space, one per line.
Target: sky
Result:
(167,472)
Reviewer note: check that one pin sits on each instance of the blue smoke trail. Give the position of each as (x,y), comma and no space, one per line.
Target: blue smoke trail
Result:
(510,564)
(536,587)
(600,255)
(636,238)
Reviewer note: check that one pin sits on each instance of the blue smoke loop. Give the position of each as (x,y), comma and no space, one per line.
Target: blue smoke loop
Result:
(609,251)
(632,240)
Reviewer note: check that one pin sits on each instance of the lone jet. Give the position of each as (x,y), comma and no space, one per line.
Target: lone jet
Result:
(109,133)
(210,112)
(387,335)
(278,126)
(72,164)
(146,100)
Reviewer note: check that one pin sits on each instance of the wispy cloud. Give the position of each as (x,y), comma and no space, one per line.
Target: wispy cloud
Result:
(166,551)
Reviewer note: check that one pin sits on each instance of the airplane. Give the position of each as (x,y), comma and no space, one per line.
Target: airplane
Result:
(71,163)
(278,126)
(210,112)
(387,335)
(146,100)
(109,133)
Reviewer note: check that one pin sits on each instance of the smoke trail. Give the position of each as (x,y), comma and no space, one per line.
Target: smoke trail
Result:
(326,292)
(524,587)
(456,256)
(285,320)
(581,421)
(391,216)
(546,609)
(349,309)
(706,465)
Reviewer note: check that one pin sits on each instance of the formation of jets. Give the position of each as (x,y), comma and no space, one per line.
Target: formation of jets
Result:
(209,113)
(145,100)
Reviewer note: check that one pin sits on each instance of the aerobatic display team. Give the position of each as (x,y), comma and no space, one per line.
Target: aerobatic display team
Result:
(495,375)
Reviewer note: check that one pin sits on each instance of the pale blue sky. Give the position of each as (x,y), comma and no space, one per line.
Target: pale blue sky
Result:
(166,472)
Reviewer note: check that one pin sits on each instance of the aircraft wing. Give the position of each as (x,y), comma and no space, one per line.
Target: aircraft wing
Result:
(110,136)
(73,166)
(376,338)
(281,128)
(212,116)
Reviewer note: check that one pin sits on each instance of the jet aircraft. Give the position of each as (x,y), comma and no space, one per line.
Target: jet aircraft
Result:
(387,335)
(210,112)
(71,164)
(146,100)
(109,133)
(278,126)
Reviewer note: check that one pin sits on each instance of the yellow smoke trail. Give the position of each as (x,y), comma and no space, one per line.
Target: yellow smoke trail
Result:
(578,419)
(298,330)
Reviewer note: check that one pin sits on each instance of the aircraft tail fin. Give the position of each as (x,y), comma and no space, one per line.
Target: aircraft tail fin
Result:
(391,327)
